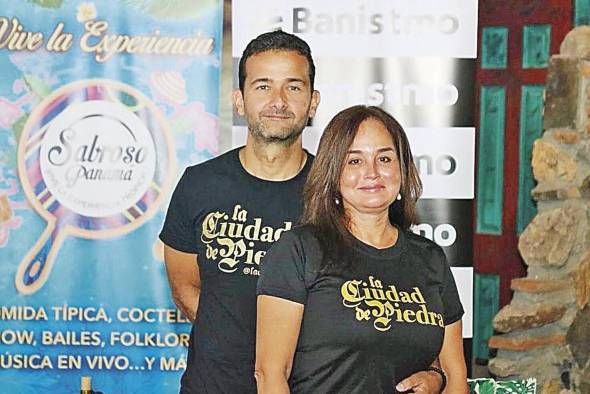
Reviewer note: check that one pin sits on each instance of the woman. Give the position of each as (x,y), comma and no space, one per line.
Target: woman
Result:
(352,302)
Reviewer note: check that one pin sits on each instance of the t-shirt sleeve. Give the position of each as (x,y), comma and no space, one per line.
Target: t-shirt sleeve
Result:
(178,231)
(453,310)
(282,270)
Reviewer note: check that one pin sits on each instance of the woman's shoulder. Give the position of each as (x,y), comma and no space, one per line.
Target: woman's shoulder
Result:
(422,244)
(303,239)
(301,232)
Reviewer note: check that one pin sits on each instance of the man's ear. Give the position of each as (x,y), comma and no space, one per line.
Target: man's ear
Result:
(238,100)
(315,101)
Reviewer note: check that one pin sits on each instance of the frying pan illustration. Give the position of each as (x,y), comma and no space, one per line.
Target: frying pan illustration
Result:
(95,160)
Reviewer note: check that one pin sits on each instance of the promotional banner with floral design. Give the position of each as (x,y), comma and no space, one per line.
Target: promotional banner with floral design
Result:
(102,105)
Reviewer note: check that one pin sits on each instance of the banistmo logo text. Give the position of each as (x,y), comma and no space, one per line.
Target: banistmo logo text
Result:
(443,234)
(273,23)
(412,94)
(428,165)
(359,21)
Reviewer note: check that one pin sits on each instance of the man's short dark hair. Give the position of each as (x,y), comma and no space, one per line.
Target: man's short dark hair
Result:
(275,41)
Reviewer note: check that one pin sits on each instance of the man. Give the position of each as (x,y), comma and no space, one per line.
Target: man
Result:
(225,213)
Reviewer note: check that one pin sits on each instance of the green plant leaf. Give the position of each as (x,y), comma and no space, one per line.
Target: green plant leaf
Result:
(482,386)
(18,126)
(37,86)
(48,3)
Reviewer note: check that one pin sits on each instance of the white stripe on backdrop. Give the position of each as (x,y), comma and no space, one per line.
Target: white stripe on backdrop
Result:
(415,60)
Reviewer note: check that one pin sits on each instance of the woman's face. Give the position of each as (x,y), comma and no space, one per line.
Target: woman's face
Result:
(371,178)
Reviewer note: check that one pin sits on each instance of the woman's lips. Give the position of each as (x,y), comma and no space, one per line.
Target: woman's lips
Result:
(372,188)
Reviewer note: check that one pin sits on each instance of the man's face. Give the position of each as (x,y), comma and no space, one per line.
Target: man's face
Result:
(277,99)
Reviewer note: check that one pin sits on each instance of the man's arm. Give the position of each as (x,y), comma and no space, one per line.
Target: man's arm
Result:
(184,280)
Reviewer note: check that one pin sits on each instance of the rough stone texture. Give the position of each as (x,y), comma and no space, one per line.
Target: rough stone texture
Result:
(525,343)
(544,364)
(569,317)
(548,320)
(582,276)
(585,381)
(566,136)
(549,238)
(504,367)
(552,386)
(552,164)
(5,211)
(584,102)
(578,337)
(561,165)
(561,93)
(584,150)
(547,192)
(513,317)
(576,43)
(537,286)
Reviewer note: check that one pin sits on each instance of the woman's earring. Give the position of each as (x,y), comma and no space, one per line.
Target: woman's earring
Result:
(336,201)
(399,196)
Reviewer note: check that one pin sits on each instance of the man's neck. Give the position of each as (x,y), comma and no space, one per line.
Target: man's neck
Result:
(273,162)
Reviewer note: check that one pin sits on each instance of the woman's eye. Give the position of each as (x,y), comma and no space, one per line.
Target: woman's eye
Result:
(354,161)
(385,159)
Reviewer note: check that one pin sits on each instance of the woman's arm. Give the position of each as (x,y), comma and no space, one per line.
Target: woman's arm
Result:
(277,329)
(452,360)
(427,382)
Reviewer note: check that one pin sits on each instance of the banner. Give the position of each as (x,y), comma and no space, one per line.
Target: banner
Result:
(102,105)
(416,60)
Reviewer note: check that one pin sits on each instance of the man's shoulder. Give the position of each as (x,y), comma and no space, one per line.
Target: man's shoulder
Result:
(223,163)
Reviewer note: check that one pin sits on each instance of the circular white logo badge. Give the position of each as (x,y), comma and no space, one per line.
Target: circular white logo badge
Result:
(97,158)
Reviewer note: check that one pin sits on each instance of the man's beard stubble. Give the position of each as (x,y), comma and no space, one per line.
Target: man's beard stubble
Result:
(286,136)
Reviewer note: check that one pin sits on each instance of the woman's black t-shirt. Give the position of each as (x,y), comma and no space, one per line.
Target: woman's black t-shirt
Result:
(369,327)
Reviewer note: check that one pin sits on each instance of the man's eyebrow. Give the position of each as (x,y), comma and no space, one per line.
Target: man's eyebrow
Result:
(296,80)
(259,80)
(266,79)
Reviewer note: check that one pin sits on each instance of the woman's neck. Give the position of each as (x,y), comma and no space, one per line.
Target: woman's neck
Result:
(373,229)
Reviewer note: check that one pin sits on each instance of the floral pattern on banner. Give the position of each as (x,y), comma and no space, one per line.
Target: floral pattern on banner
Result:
(54,54)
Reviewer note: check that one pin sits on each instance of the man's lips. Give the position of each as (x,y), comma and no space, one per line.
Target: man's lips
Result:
(277,116)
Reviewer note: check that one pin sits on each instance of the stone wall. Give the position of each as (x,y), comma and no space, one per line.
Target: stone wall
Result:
(545,331)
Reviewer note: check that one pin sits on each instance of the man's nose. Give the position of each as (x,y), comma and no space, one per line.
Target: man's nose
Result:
(278,99)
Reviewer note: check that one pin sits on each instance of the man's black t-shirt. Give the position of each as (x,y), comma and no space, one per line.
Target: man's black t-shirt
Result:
(229,218)
(366,328)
